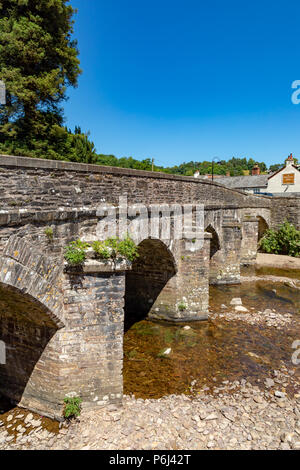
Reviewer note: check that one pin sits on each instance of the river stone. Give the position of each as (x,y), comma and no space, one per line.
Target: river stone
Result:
(269,383)
(240,308)
(167,352)
(236,301)
(279,394)
(211,417)
(28,418)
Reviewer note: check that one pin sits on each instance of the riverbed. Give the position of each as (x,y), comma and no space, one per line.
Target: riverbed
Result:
(246,355)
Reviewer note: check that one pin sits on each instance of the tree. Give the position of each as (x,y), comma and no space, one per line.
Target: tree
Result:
(275,167)
(38,60)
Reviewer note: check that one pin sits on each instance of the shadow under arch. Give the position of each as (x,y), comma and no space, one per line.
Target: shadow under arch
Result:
(215,245)
(262,227)
(150,274)
(26,328)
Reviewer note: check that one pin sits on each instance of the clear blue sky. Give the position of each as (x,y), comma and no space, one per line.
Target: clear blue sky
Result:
(188,80)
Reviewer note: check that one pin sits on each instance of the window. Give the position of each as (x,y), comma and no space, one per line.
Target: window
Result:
(256,190)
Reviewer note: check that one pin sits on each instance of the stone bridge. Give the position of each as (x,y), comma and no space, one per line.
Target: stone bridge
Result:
(63,330)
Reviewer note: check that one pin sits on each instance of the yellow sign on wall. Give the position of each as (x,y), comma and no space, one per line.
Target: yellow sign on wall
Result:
(288,178)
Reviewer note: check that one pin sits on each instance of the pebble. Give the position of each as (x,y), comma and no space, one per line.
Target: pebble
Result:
(240,308)
(244,417)
(236,301)
(279,394)
(269,383)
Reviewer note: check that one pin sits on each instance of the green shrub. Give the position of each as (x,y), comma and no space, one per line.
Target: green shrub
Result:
(182,307)
(128,248)
(75,253)
(101,250)
(113,248)
(284,241)
(49,233)
(72,407)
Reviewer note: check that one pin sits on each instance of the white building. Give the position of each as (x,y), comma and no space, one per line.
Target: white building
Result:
(285,180)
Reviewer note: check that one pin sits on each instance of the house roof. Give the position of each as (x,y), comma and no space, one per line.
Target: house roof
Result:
(283,168)
(255,181)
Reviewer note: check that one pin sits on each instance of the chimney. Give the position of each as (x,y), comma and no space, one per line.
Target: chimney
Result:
(228,173)
(255,170)
(290,160)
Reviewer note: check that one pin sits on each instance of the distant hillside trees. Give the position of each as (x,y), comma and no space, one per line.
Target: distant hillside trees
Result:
(234,166)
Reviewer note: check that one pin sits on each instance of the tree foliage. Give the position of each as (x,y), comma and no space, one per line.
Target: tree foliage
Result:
(38,61)
(234,166)
(284,241)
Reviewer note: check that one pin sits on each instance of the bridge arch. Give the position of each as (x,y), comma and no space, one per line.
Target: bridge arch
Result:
(263,226)
(215,244)
(31,313)
(146,287)
(26,329)
(215,255)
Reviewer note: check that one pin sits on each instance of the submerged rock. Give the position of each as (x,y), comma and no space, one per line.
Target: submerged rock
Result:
(269,383)
(236,301)
(240,308)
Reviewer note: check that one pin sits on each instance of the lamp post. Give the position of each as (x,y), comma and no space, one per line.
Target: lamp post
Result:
(212,167)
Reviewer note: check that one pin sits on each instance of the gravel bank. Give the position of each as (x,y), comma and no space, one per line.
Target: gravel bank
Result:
(240,416)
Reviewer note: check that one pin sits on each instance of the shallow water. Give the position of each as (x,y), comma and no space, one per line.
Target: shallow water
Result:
(259,296)
(209,353)
(214,351)
(18,415)
(268,271)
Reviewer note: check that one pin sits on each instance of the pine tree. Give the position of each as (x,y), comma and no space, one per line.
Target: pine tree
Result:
(38,61)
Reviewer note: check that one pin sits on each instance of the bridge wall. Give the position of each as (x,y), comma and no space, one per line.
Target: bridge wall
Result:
(285,208)
(38,184)
(32,188)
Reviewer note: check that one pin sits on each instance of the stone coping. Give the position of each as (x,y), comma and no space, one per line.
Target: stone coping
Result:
(97,266)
